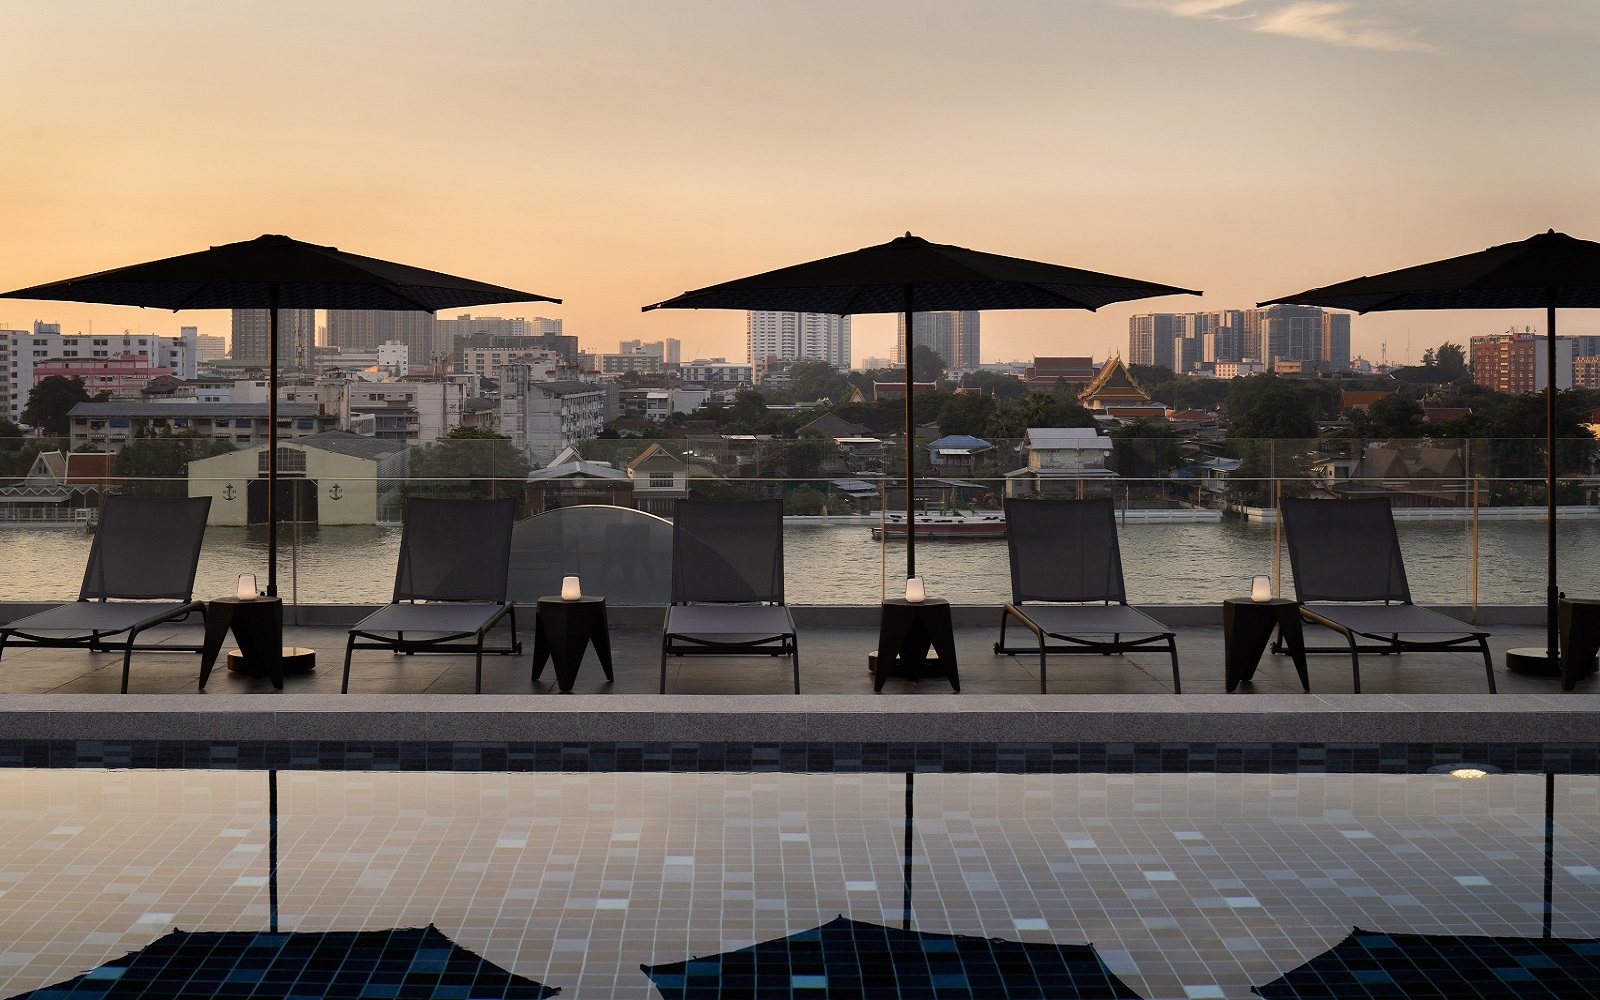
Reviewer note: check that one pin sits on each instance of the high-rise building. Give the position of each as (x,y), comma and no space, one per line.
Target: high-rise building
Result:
(954,336)
(1221,335)
(1336,340)
(1151,337)
(1516,362)
(367,329)
(793,336)
(297,337)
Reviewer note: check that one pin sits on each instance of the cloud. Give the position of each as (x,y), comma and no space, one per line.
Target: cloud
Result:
(1214,9)
(1332,22)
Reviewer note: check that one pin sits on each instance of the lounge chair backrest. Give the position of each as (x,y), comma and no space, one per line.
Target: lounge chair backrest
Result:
(1064,550)
(1344,550)
(455,550)
(146,548)
(727,551)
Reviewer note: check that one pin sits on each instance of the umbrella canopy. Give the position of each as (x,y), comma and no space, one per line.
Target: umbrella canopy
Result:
(394,963)
(276,272)
(1444,966)
(273,273)
(1546,271)
(909,275)
(845,959)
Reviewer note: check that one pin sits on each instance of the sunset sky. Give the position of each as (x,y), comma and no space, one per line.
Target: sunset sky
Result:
(617,152)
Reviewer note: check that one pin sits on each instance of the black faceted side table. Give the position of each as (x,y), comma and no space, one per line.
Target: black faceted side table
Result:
(1246,627)
(563,629)
(906,631)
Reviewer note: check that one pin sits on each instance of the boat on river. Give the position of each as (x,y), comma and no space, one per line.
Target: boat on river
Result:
(974,525)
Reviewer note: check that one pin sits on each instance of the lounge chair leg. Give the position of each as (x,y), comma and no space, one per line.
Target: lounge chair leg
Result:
(1355,662)
(1172,647)
(127,659)
(1488,664)
(349,650)
(794,658)
(477,687)
(1042,688)
(1000,646)
(1116,638)
(663,666)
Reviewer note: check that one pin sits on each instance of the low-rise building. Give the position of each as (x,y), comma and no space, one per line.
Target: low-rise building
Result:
(1062,462)
(660,480)
(110,425)
(545,417)
(329,478)
(717,373)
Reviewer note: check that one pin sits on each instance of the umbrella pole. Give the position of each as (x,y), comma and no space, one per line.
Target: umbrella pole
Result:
(1552,639)
(272,444)
(911,453)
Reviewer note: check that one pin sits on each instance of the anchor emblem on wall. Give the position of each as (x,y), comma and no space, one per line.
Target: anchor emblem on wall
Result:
(335,492)
(228,492)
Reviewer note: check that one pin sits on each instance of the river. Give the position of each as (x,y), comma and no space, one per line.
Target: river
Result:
(836,563)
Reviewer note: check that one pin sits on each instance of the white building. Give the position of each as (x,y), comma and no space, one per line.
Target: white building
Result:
(109,426)
(1062,462)
(796,336)
(412,411)
(24,350)
(486,362)
(543,417)
(338,478)
(717,372)
(394,357)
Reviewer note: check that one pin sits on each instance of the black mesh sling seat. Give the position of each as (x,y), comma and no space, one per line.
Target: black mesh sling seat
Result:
(1349,577)
(449,586)
(1064,552)
(727,583)
(141,573)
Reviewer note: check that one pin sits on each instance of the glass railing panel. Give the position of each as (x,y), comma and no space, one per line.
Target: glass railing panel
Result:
(1196,520)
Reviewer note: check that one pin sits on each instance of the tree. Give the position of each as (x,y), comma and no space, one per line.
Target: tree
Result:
(1143,450)
(804,499)
(1279,412)
(469,462)
(1393,417)
(52,399)
(810,380)
(10,436)
(966,413)
(159,466)
(1452,361)
(926,364)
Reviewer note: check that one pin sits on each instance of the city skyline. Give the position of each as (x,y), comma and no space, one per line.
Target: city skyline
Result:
(628,167)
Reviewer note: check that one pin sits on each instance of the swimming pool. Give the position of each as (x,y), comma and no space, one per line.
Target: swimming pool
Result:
(1189,884)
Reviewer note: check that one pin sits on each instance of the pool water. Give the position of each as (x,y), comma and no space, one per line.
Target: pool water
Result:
(1188,885)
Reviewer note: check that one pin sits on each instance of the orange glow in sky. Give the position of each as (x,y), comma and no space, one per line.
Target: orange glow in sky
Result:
(618,152)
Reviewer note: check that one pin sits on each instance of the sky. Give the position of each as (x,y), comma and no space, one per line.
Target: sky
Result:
(614,153)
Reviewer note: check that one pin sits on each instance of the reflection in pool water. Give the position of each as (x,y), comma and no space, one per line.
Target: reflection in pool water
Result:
(1188,885)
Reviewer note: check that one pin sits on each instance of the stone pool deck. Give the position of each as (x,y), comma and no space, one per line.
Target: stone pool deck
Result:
(63,695)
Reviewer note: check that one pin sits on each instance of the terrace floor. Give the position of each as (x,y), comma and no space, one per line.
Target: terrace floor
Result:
(833,662)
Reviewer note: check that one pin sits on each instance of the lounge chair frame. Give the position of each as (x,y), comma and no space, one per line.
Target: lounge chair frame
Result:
(145,550)
(1350,578)
(727,584)
(1065,552)
(450,585)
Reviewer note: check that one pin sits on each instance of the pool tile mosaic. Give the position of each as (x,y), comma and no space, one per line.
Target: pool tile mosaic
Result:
(574,880)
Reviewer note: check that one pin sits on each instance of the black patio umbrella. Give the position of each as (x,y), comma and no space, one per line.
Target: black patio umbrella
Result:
(847,959)
(407,962)
(273,273)
(1444,966)
(910,275)
(1547,271)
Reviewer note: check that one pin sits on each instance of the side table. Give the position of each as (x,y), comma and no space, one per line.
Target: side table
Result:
(1579,622)
(906,630)
(257,625)
(563,629)
(1246,626)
